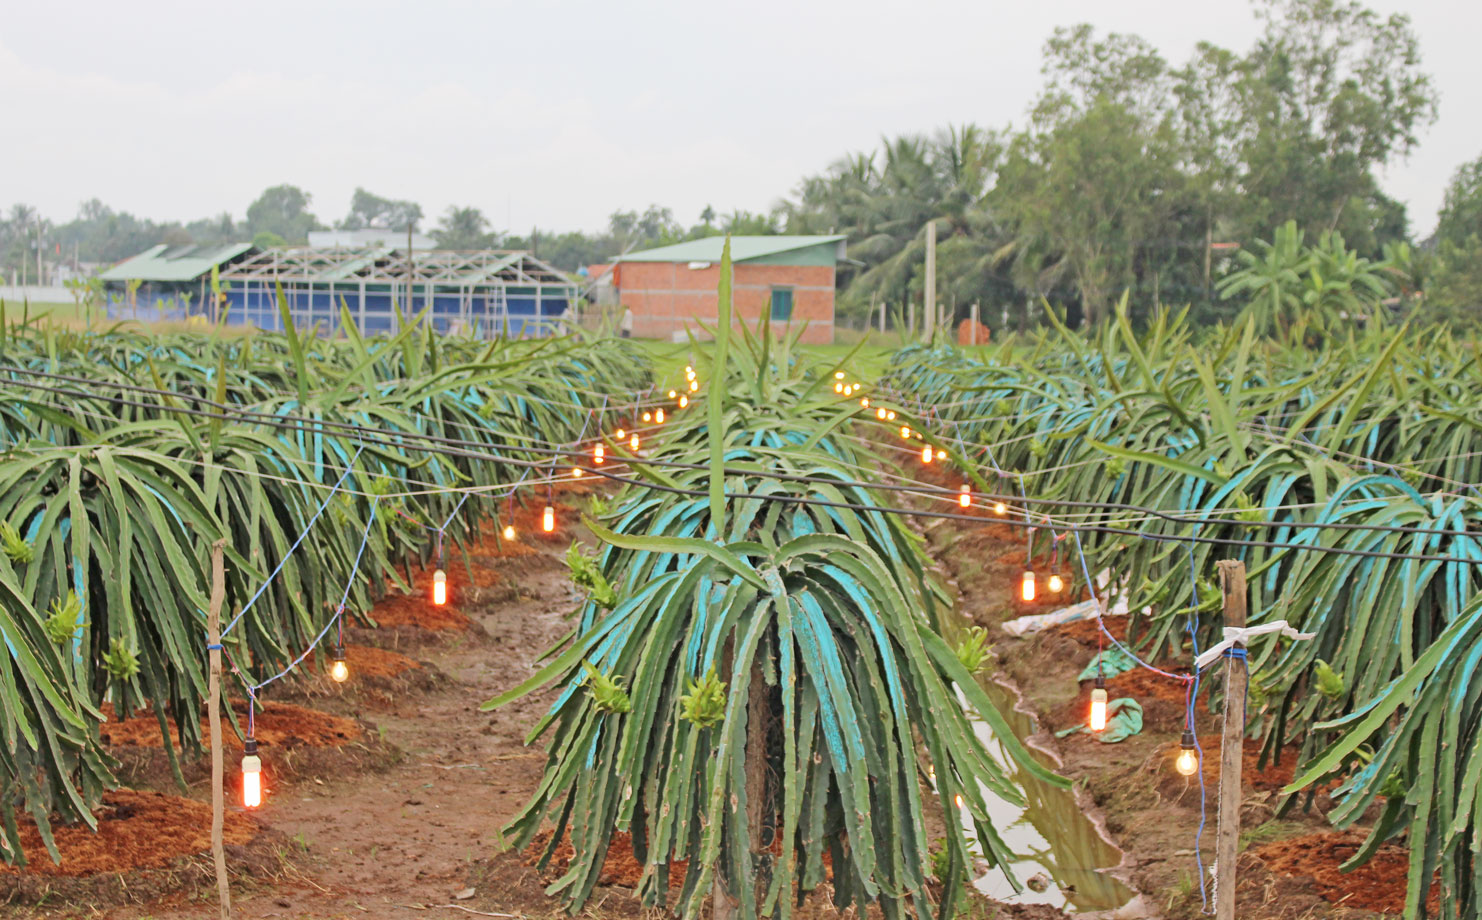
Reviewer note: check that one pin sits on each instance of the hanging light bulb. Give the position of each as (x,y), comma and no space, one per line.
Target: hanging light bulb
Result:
(1026,587)
(599,453)
(689,371)
(838,375)
(659,416)
(621,434)
(890,415)
(440,583)
(648,416)
(1000,508)
(880,414)
(509,531)
(1098,706)
(926,454)
(338,670)
(576,472)
(1188,758)
(694,385)
(548,519)
(965,497)
(1057,584)
(671,394)
(958,800)
(864,402)
(633,441)
(838,388)
(941,455)
(684,400)
(906,431)
(251,775)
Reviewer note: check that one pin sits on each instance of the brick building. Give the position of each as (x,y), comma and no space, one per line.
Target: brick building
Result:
(789,278)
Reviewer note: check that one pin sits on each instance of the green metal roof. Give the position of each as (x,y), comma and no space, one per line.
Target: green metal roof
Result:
(743,248)
(174,263)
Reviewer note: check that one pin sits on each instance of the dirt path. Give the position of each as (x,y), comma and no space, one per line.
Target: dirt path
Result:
(396,843)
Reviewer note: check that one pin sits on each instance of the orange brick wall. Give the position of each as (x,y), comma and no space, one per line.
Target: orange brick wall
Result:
(665,297)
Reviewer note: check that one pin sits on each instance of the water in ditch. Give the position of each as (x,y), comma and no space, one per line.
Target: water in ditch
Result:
(1051,836)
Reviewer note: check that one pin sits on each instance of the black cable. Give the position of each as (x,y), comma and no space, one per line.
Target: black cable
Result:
(361,431)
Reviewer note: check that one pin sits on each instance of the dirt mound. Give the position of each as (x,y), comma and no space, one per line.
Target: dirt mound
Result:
(971,333)
(369,661)
(1378,885)
(416,610)
(136,830)
(277,725)
(1088,633)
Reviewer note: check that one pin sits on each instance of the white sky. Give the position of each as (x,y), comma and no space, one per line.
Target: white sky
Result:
(558,113)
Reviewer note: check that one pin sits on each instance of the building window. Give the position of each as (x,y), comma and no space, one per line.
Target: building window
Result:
(781,304)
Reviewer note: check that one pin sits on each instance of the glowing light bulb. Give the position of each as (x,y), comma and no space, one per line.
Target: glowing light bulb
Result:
(694,385)
(1000,508)
(880,414)
(1098,706)
(926,454)
(1057,584)
(648,416)
(942,455)
(965,497)
(958,800)
(864,402)
(251,775)
(838,388)
(689,371)
(633,441)
(599,453)
(684,400)
(659,416)
(1026,587)
(621,434)
(905,431)
(1188,759)
(509,531)
(576,472)
(338,670)
(440,587)
(838,375)
(890,415)
(671,394)
(548,519)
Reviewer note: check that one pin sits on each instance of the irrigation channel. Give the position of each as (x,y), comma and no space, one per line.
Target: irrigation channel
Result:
(1051,836)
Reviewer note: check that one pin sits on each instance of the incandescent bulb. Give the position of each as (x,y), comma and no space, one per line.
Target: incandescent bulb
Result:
(671,394)
(926,454)
(576,472)
(890,415)
(633,441)
(1188,759)
(598,454)
(684,400)
(648,416)
(958,800)
(659,416)
(880,414)
(509,531)
(965,498)
(548,519)
(440,584)
(838,375)
(621,434)
(838,388)
(689,371)
(1000,508)
(338,670)
(905,431)
(1026,587)
(1057,584)
(251,775)
(864,402)
(1098,706)
(694,385)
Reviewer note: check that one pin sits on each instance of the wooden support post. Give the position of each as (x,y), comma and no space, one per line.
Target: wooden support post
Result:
(1227,840)
(882,317)
(213,716)
(929,302)
(975,324)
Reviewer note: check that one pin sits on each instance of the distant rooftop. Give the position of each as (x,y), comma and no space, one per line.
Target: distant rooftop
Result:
(174,263)
(743,248)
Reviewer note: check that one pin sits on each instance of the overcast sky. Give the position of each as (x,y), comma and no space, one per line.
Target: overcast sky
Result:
(558,113)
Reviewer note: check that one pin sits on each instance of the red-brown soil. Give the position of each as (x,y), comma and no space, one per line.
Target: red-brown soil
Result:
(418,611)
(368,661)
(1378,884)
(620,868)
(276,725)
(136,830)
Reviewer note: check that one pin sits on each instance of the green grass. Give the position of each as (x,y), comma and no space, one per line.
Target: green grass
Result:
(868,364)
(60,312)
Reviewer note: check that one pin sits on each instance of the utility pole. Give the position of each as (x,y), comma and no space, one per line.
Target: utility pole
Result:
(1227,840)
(929,302)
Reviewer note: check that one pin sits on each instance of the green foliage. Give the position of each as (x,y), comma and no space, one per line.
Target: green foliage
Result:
(120,660)
(16,548)
(586,575)
(608,694)
(1329,682)
(973,651)
(64,618)
(705,704)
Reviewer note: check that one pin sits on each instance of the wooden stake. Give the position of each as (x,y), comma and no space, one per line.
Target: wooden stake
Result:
(929,302)
(1232,743)
(213,715)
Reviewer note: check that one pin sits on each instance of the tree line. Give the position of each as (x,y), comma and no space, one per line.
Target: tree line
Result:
(1131,173)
